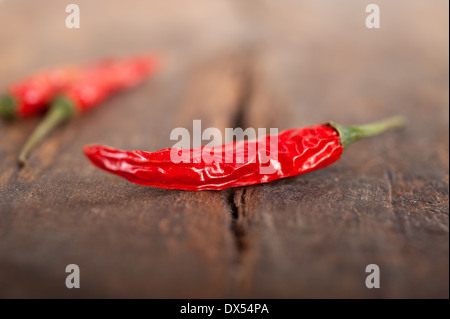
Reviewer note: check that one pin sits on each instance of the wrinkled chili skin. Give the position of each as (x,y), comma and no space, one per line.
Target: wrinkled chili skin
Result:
(86,85)
(32,95)
(98,82)
(300,150)
(101,82)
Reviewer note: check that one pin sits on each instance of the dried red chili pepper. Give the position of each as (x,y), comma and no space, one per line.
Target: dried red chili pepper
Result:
(32,95)
(300,151)
(97,83)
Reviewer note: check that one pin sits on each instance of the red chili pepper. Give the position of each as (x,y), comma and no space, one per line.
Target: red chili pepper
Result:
(32,95)
(300,151)
(97,83)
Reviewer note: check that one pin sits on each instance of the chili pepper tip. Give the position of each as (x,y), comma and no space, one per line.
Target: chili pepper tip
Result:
(90,150)
(93,152)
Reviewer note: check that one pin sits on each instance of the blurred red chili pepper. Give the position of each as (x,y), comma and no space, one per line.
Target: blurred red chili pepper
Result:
(32,95)
(299,151)
(97,83)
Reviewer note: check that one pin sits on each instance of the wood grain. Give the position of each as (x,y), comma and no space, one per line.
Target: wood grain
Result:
(254,64)
(385,202)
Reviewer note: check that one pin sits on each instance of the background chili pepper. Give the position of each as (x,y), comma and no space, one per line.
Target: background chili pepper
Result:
(32,95)
(300,150)
(96,84)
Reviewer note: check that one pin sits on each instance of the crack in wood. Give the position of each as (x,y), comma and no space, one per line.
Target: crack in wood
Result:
(244,100)
(236,197)
(236,200)
(388,176)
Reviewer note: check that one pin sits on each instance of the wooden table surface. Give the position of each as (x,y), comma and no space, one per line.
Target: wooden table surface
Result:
(235,63)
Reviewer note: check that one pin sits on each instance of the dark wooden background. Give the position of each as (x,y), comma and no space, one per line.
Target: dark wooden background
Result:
(234,63)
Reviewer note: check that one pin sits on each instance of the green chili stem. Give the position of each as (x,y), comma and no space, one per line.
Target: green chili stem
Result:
(350,134)
(8,106)
(60,111)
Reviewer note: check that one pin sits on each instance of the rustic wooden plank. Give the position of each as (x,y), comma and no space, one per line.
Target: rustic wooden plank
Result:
(386,200)
(129,241)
